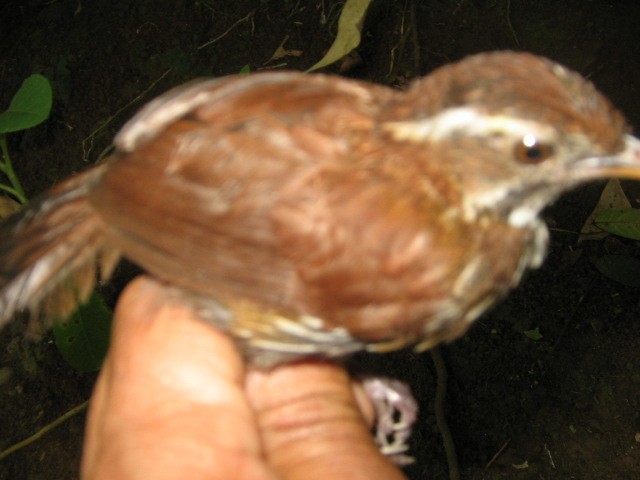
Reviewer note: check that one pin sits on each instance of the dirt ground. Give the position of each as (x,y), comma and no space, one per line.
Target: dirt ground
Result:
(566,406)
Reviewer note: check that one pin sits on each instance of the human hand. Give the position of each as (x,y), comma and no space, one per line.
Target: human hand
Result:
(174,400)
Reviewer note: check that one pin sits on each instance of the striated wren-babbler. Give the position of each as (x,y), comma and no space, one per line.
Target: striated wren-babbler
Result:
(315,216)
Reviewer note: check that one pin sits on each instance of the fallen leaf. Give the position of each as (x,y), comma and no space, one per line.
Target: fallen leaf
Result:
(349,29)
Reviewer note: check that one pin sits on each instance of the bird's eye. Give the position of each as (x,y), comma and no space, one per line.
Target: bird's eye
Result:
(530,150)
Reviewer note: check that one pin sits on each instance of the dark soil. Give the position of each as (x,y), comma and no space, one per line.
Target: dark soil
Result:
(565,406)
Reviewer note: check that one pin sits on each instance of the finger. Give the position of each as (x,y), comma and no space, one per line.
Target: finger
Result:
(169,402)
(312,425)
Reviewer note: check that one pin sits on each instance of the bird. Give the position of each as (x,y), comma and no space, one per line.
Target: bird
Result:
(314,216)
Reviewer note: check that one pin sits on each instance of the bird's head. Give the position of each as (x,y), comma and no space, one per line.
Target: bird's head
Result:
(515,131)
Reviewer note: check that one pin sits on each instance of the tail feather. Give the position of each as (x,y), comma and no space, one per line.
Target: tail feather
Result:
(49,252)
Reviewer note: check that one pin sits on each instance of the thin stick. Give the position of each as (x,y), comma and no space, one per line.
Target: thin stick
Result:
(513,32)
(227,31)
(86,151)
(441,419)
(47,428)
(497,454)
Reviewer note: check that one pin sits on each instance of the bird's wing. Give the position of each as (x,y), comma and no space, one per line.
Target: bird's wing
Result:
(199,184)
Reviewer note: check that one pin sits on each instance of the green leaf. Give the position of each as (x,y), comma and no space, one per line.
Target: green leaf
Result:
(621,268)
(533,334)
(83,338)
(624,222)
(30,106)
(246,70)
(348,37)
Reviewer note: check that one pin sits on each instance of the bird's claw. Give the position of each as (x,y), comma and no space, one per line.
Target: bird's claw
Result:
(396,412)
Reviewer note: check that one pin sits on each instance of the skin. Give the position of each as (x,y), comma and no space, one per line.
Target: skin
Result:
(174,400)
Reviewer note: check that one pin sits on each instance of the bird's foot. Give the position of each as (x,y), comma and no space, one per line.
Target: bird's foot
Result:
(396,412)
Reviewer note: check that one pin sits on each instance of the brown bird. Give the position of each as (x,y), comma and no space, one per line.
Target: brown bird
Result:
(311,215)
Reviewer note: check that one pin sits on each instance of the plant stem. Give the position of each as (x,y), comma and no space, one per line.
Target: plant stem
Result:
(5,165)
(9,190)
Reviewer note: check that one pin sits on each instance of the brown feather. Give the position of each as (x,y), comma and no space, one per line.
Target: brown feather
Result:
(48,251)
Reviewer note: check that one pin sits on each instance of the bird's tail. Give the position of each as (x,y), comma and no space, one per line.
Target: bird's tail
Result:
(50,251)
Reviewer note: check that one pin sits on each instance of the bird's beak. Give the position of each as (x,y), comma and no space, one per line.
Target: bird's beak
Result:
(625,164)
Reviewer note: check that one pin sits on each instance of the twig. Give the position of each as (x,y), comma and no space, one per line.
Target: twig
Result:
(513,32)
(87,150)
(497,454)
(546,449)
(47,428)
(227,31)
(441,419)
(399,47)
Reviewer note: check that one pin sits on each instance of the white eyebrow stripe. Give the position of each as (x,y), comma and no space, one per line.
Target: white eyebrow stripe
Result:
(465,121)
